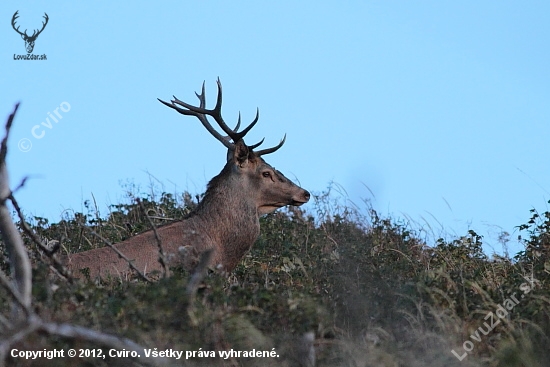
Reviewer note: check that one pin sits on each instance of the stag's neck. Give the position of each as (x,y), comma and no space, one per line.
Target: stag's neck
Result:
(227,214)
(230,216)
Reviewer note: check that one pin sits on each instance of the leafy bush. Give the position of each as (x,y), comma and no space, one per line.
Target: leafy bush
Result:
(370,290)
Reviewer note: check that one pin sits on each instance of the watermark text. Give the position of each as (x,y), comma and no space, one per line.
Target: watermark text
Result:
(492,319)
(39,131)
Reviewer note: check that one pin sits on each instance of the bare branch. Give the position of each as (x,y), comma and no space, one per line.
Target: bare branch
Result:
(110,341)
(4,146)
(193,285)
(120,254)
(35,323)
(25,321)
(165,270)
(17,335)
(21,184)
(19,261)
(8,285)
(34,237)
(199,273)
(5,324)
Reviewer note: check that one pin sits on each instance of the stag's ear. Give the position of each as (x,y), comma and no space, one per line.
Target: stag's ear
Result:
(240,154)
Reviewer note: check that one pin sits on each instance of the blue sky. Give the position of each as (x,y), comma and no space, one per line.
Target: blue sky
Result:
(439,108)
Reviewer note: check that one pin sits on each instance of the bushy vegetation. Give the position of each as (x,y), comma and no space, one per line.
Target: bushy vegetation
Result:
(370,290)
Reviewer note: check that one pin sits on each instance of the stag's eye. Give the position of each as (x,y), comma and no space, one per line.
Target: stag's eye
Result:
(266,174)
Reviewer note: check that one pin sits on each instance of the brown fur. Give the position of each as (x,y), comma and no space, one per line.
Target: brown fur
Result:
(226,221)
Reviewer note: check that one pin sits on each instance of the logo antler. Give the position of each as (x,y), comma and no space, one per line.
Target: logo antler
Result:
(29,40)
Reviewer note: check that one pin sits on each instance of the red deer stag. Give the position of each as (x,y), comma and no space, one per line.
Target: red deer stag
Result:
(226,221)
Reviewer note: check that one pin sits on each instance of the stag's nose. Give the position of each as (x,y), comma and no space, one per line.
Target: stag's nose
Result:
(301,198)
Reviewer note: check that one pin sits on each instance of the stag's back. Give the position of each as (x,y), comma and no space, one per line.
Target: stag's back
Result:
(143,251)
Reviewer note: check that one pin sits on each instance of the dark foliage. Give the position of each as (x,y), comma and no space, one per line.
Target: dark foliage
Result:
(370,290)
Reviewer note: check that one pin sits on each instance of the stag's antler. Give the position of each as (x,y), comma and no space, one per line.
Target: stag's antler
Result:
(201,112)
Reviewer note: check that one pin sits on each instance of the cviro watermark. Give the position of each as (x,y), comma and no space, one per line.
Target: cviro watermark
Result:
(501,312)
(39,131)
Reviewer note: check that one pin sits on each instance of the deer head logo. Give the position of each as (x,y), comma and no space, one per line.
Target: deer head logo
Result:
(29,40)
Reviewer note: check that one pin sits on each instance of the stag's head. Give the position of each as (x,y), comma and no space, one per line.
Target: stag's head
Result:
(269,188)
(29,40)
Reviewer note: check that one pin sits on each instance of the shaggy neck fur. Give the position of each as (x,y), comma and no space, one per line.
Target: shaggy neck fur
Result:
(228,213)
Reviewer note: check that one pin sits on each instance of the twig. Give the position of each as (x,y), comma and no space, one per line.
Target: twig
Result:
(193,285)
(27,322)
(19,261)
(162,218)
(6,324)
(199,273)
(27,229)
(35,323)
(18,334)
(120,254)
(110,341)
(14,293)
(21,184)
(165,270)
(34,237)
(4,147)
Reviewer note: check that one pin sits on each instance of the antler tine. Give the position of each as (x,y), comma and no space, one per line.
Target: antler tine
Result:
(238,122)
(254,146)
(233,134)
(206,123)
(201,97)
(216,113)
(202,119)
(271,150)
(199,112)
(247,129)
